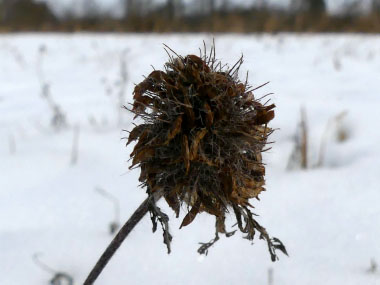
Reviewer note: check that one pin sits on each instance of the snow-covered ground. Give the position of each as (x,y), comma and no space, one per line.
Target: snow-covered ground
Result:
(328,217)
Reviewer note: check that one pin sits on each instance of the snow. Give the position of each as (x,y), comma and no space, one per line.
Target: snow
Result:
(328,217)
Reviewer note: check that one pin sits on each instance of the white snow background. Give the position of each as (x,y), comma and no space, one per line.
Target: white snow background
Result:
(328,217)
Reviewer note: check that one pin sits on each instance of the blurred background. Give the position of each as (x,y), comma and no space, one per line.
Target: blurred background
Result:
(66,69)
(191,15)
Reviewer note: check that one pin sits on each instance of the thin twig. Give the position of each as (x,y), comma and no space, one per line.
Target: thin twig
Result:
(42,265)
(270,276)
(304,140)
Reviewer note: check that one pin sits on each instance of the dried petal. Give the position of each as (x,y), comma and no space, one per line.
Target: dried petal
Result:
(186,153)
(195,144)
(191,215)
(176,128)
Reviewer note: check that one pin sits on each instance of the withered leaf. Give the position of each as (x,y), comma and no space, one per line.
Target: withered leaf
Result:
(209,205)
(220,79)
(199,62)
(220,225)
(279,245)
(226,184)
(263,117)
(251,183)
(158,75)
(270,107)
(142,155)
(190,116)
(246,192)
(208,90)
(143,174)
(204,159)
(140,89)
(191,214)
(186,153)
(171,89)
(241,88)
(195,143)
(140,143)
(209,115)
(173,202)
(176,128)
(256,169)
(231,91)
(136,132)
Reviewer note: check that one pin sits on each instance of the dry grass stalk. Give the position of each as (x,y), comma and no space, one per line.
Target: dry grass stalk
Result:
(59,278)
(270,276)
(299,156)
(304,140)
(341,134)
(75,146)
(373,267)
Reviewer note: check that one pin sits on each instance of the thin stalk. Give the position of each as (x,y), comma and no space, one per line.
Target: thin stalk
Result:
(119,238)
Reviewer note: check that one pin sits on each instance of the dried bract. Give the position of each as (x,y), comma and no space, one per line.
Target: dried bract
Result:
(201,141)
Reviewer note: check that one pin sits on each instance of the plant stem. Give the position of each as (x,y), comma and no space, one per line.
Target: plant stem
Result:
(118,240)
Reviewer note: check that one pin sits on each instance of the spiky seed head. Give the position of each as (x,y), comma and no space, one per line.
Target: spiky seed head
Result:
(202,139)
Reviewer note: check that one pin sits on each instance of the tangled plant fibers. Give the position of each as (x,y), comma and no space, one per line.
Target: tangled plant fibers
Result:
(200,143)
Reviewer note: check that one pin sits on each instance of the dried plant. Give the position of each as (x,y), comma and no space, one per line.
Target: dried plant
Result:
(59,278)
(122,84)
(373,267)
(75,146)
(336,126)
(270,276)
(58,120)
(200,145)
(299,155)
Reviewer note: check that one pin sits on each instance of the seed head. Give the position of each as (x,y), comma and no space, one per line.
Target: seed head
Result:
(201,141)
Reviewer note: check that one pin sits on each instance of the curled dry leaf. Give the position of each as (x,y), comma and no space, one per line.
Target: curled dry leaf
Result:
(176,129)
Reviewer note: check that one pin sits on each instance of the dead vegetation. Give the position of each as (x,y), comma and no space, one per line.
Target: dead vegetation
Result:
(58,119)
(59,278)
(201,141)
(336,129)
(196,16)
(299,155)
(199,146)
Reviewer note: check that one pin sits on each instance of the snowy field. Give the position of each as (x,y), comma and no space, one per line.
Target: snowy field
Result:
(327,216)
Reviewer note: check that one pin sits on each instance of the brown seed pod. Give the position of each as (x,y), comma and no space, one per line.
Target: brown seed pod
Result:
(201,141)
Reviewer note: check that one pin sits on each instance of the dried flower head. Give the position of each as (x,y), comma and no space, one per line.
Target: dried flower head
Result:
(201,142)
